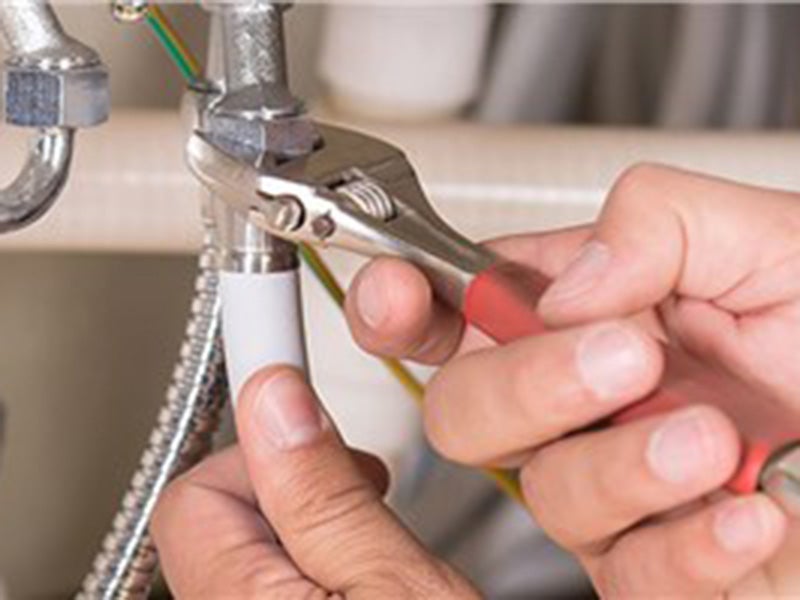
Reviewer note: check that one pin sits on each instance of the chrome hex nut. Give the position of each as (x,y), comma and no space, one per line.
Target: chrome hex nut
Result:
(36,97)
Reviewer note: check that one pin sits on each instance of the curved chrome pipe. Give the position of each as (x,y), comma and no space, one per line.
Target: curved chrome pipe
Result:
(40,52)
(40,181)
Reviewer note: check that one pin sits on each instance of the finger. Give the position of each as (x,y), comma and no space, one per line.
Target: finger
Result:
(487,405)
(699,556)
(374,469)
(328,516)
(664,230)
(392,312)
(212,541)
(549,252)
(590,487)
(234,537)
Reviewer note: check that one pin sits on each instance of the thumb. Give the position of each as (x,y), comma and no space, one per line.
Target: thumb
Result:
(327,514)
(665,231)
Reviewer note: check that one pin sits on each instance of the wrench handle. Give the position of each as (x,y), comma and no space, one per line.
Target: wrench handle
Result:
(501,302)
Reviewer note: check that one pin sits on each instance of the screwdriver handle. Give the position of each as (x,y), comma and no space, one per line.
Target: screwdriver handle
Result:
(501,302)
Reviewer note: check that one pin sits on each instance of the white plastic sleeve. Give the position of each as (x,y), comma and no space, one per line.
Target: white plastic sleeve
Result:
(262,323)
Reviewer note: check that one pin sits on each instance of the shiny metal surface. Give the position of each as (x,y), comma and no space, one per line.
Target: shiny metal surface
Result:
(129,11)
(243,248)
(781,479)
(50,79)
(254,115)
(256,112)
(29,27)
(39,182)
(415,231)
(36,97)
(253,39)
(53,83)
(370,198)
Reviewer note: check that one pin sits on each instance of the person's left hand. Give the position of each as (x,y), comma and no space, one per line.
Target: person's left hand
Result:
(291,479)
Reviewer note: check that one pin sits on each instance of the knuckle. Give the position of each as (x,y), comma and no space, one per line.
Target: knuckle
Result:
(522,378)
(263,584)
(436,419)
(633,181)
(435,342)
(440,581)
(619,494)
(688,566)
(335,507)
(423,579)
(176,496)
(543,415)
(612,577)
(547,500)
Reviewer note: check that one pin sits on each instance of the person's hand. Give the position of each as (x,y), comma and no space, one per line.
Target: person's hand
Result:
(215,527)
(711,266)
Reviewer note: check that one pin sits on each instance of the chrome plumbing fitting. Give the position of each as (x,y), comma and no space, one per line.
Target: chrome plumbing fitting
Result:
(63,87)
(53,83)
(251,114)
(256,114)
(50,79)
(781,479)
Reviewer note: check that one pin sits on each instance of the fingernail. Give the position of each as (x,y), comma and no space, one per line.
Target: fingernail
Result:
(288,411)
(371,301)
(682,448)
(742,525)
(610,361)
(582,274)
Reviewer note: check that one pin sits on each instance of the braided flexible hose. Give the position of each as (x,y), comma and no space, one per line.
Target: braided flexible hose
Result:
(126,564)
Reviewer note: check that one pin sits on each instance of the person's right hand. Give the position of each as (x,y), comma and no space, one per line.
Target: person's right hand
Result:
(713,267)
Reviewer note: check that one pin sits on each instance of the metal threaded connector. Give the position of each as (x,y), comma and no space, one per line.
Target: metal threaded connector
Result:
(780,479)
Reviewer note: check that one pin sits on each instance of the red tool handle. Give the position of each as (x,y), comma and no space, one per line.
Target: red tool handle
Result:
(501,302)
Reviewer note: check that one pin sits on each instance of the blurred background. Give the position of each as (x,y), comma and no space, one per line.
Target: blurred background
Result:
(518,117)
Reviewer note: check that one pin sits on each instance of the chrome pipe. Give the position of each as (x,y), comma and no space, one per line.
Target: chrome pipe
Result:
(40,181)
(254,43)
(29,26)
(52,83)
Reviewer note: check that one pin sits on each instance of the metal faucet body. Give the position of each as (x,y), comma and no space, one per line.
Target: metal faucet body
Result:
(251,113)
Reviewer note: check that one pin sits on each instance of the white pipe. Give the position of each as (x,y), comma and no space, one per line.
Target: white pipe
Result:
(262,323)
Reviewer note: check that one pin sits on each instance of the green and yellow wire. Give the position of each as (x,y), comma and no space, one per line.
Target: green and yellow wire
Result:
(191,71)
(173,44)
(504,480)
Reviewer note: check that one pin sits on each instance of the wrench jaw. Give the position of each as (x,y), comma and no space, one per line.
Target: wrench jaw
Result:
(355,192)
